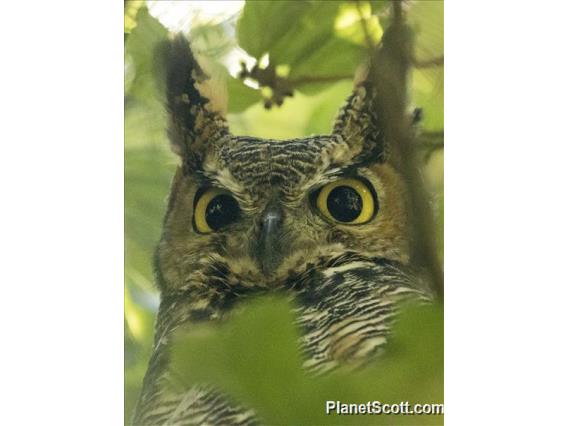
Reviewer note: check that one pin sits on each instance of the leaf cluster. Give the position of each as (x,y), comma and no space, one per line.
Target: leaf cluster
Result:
(255,358)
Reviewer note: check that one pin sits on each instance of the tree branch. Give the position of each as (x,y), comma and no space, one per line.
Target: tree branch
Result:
(390,67)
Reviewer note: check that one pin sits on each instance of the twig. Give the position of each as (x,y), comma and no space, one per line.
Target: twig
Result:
(301,81)
(433,140)
(428,63)
(282,87)
(430,147)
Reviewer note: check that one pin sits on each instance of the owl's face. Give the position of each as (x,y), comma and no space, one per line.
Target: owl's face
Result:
(254,212)
(259,211)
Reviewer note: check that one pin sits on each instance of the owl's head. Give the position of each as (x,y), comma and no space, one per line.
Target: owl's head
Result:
(254,212)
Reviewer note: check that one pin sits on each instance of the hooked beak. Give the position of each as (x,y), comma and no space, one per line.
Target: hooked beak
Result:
(269,245)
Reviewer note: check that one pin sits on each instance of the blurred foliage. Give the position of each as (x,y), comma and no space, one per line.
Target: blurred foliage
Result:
(255,357)
(318,46)
(299,35)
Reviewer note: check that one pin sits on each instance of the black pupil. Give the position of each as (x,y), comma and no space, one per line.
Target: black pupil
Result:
(344,203)
(221,210)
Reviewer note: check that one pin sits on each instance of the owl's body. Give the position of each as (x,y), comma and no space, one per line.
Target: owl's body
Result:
(321,219)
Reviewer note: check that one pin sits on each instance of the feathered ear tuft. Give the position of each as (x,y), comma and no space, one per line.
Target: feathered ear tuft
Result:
(194,123)
(358,123)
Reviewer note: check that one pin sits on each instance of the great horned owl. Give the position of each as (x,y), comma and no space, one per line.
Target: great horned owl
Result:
(321,218)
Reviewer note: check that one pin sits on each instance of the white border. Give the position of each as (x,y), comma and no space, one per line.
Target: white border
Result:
(61,173)
(505,212)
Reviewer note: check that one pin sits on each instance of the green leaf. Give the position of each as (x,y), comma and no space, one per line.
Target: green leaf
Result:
(242,355)
(130,10)
(254,358)
(326,62)
(309,33)
(302,37)
(140,46)
(262,23)
(355,21)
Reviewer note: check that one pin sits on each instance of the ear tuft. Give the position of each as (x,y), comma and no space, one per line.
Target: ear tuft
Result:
(359,125)
(194,124)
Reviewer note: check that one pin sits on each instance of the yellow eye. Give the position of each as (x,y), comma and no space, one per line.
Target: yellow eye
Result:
(348,201)
(214,208)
